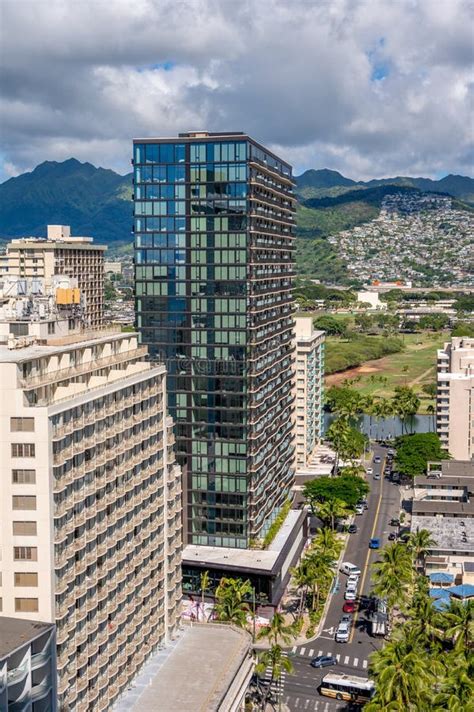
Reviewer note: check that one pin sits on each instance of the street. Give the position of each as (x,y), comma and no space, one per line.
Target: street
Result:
(300,690)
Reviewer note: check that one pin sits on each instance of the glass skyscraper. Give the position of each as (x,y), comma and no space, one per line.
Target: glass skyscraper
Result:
(214,269)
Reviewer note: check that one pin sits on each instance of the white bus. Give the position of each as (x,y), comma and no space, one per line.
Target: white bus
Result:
(347,687)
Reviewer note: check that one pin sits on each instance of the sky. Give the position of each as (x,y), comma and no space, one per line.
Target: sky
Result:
(371,88)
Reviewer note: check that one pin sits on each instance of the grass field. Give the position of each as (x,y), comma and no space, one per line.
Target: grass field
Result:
(414,366)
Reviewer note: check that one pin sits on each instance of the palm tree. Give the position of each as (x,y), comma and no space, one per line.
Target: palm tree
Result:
(393,575)
(403,680)
(382,409)
(331,510)
(204,587)
(277,661)
(456,691)
(231,605)
(419,543)
(457,622)
(277,630)
(326,543)
(337,434)
(302,579)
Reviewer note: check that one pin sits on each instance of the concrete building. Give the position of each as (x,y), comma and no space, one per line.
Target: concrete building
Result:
(27,666)
(309,389)
(214,241)
(90,494)
(184,679)
(60,253)
(443,504)
(372,298)
(455,397)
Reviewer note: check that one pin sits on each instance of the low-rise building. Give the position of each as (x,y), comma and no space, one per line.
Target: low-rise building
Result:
(27,666)
(455,397)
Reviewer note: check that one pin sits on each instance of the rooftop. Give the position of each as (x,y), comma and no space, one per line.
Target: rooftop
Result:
(441,507)
(15,632)
(448,532)
(195,676)
(56,346)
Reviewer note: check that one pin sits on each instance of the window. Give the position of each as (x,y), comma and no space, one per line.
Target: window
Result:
(22,425)
(23,477)
(26,579)
(24,501)
(23,450)
(25,553)
(26,605)
(24,528)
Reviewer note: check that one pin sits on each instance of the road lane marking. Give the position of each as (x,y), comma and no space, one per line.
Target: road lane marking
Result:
(302,650)
(364,664)
(366,566)
(356,662)
(338,657)
(346,660)
(320,652)
(311,653)
(293,650)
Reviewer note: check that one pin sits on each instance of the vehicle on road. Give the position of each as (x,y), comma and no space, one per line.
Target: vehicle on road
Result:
(394,522)
(347,687)
(377,476)
(378,625)
(323,661)
(342,632)
(391,453)
(369,471)
(363,503)
(377,459)
(374,543)
(350,595)
(353,579)
(359,509)
(392,536)
(346,618)
(352,529)
(350,607)
(348,568)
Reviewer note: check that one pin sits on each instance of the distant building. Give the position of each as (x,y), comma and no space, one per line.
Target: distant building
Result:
(309,389)
(371,298)
(90,494)
(27,666)
(113,267)
(455,397)
(60,253)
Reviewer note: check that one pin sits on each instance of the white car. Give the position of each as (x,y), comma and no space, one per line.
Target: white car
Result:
(350,595)
(350,569)
(359,509)
(353,579)
(369,471)
(342,632)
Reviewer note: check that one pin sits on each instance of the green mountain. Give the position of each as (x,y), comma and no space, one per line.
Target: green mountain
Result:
(97,202)
(94,201)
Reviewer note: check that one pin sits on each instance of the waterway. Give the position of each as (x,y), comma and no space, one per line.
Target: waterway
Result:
(389,428)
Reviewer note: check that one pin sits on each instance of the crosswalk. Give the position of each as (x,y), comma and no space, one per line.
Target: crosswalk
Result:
(277,685)
(348,660)
(304,703)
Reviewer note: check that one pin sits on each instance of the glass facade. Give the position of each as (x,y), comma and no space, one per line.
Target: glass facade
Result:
(213,260)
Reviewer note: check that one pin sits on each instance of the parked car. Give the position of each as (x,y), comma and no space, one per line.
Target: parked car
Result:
(363,503)
(348,568)
(342,632)
(352,529)
(374,543)
(353,579)
(391,453)
(323,661)
(377,476)
(350,607)
(377,459)
(350,595)
(346,618)
(392,536)
(369,471)
(394,522)
(359,509)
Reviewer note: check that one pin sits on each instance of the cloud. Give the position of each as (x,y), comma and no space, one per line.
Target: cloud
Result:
(368,88)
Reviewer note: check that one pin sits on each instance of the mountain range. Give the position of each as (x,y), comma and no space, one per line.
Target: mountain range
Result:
(97,202)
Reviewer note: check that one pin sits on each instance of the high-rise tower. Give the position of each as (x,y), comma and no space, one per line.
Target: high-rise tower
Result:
(214,269)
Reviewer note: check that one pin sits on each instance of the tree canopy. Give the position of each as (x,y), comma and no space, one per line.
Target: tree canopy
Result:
(346,488)
(415,451)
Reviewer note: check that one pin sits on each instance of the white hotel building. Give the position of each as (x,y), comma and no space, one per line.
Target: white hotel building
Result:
(90,495)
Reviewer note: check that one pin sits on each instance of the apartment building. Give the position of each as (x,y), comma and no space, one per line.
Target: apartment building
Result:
(27,666)
(90,494)
(214,224)
(455,397)
(60,253)
(309,388)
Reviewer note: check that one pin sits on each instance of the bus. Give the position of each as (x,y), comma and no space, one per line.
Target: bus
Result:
(347,687)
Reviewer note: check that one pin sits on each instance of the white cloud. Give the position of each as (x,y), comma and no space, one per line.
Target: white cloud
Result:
(83,78)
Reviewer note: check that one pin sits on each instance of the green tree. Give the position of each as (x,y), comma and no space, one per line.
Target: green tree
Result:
(348,488)
(419,543)
(330,325)
(458,624)
(326,543)
(455,692)
(405,403)
(332,510)
(231,601)
(204,587)
(276,659)
(393,575)
(277,630)
(415,451)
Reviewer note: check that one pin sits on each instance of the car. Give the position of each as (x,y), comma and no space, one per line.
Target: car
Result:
(394,522)
(350,607)
(352,586)
(374,543)
(350,595)
(348,568)
(359,509)
(353,579)
(377,476)
(392,536)
(363,502)
(369,471)
(377,459)
(391,453)
(352,529)
(323,661)
(342,632)
(346,618)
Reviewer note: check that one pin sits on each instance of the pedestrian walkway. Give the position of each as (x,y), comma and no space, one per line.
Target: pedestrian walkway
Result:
(277,685)
(309,652)
(303,703)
